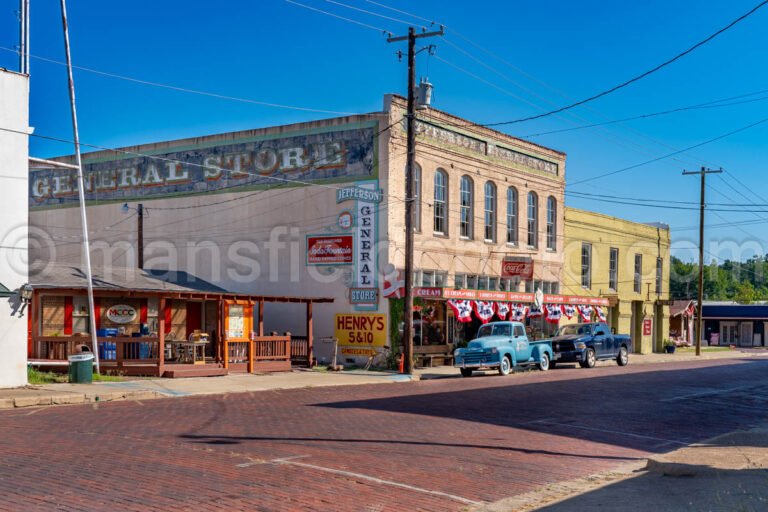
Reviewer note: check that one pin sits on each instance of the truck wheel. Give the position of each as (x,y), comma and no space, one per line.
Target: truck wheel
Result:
(589,359)
(544,363)
(623,358)
(466,372)
(506,366)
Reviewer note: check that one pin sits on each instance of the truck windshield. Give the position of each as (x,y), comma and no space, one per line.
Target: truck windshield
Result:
(495,330)
(568,330)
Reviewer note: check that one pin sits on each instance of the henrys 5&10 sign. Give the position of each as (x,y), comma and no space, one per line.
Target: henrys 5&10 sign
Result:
(360,329)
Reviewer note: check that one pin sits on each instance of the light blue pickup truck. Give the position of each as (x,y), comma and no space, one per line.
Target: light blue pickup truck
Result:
(504,346)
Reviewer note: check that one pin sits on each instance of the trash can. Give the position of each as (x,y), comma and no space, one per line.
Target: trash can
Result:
(81,368)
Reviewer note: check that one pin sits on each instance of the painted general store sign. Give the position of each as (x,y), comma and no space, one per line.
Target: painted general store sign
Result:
(329,249)
(332,154)
(513,266)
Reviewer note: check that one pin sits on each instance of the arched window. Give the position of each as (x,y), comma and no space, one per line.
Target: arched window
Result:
(439,206)
(533,220)
(466,208)
(416,197)
(512,215)
(490,211)
(551,223)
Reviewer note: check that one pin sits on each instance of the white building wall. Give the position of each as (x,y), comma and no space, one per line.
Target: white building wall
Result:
(14,114)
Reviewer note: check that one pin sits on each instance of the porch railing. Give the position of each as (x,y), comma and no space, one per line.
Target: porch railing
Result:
(299,350)
(259,349)
(117,351)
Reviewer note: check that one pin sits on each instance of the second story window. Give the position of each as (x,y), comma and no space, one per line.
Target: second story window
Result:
(439,204)
(490,212)
(512,215)
(613,269)
(416,198)
(586,265)
(551,223)
(466,212)
(533,220)
(638,273)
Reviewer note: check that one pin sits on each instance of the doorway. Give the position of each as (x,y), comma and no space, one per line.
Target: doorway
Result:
(746,329)
(729,333)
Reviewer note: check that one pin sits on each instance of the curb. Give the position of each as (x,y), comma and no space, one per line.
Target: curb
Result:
(75,399)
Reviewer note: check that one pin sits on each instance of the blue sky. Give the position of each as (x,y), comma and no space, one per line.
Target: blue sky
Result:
(553,52)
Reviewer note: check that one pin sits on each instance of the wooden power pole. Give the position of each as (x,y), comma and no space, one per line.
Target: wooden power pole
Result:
(411,148)
(699,324)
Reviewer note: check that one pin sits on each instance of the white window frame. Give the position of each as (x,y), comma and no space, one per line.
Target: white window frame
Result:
(466,208)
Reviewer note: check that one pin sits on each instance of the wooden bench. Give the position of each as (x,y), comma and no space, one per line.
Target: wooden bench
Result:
(425,355)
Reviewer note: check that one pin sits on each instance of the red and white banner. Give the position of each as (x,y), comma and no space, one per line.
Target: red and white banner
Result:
(484,310)
(462,309)
(519,312)
(534,312)
(553,313)
(503,309)
(569,310)
(585,312)
(600,313)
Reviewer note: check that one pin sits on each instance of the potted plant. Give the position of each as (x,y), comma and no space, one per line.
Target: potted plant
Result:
(669,346)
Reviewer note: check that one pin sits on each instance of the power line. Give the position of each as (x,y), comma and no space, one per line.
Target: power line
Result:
(186,89)
(636,78)
(350,20)
(711,104)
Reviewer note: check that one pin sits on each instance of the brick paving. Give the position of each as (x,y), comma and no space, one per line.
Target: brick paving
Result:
(440,445)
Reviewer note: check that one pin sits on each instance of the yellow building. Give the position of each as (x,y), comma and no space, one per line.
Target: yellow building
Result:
(625,262)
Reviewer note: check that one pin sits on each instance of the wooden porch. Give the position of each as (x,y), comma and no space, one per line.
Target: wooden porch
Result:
(237,342)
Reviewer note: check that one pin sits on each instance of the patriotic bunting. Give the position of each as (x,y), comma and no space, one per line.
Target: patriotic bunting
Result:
(484,310)
(502,309)
(553,313)
(569,310)
(600,313)
(534,312)
(462,309)
(585,312)
(518,313)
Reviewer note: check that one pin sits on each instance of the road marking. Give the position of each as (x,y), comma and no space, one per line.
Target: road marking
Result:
(614,432)
(35,411)
(273,461)
(360,476)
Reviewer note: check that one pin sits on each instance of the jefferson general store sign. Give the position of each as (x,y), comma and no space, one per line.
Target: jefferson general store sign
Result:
(346,152)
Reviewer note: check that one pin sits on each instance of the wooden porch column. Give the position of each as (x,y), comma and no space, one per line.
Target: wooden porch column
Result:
(34,327)
(250,339)
(223,342)
(161,335)
(309,334)
(261,318)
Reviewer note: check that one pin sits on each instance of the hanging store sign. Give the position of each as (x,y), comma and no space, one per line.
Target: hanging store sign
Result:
(364,296)
(359,194)
(360,329)
(330,250)
(121,314)
(209,165)
(366,196)
(514,266)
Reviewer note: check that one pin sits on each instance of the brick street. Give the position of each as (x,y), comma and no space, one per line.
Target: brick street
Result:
(447,444)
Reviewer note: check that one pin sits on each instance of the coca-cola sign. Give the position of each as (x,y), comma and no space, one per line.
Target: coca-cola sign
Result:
(515,266)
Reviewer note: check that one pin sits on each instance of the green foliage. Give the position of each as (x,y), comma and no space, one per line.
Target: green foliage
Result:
(396,308)
(743,282)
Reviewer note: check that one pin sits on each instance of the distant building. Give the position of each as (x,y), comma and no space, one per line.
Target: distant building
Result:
(730,323)
(626,263)
(14,112)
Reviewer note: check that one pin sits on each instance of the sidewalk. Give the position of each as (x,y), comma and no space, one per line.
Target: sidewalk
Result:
(729,472)
(143,389)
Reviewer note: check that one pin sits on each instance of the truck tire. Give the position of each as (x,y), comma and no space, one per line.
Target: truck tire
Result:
(544,363)
(623,358)
(505,367)
(466,372)
(589,359)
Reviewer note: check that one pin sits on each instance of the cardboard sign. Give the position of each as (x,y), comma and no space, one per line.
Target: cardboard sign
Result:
(361,329)
(329,249)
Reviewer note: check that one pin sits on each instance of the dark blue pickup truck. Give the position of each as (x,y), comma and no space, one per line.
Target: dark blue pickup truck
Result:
(588,343)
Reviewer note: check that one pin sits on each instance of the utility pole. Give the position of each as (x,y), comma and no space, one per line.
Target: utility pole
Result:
(24,37)
(140,211)
(80,186)
(699,324)
(411,148)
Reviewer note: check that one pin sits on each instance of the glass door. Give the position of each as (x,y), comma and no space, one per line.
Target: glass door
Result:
(746,334)
(729,333)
